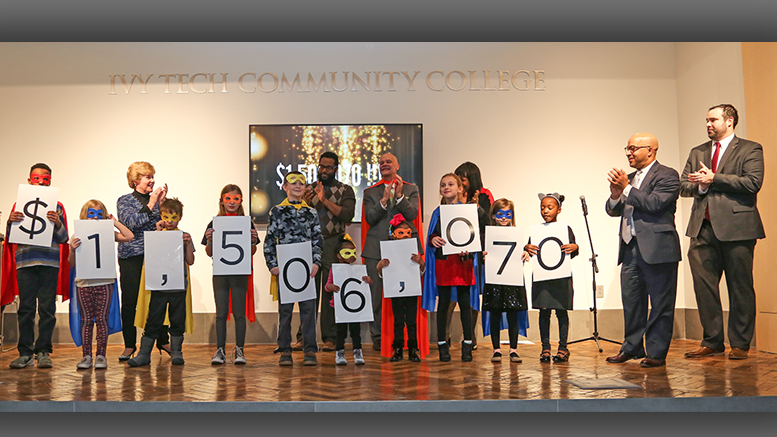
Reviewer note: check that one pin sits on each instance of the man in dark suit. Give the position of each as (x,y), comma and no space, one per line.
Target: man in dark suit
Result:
(382,201)
(724,176)
(649,252)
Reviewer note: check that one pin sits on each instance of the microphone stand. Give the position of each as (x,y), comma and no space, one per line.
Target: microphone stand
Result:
(594,270)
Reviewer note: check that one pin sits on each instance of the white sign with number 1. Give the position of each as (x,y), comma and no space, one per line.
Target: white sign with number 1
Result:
(96,256)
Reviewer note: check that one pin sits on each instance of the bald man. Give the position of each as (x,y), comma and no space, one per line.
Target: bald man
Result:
(649,253)
(382,201)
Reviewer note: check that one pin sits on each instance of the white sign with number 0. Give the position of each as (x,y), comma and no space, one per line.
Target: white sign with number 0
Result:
(34,201)
(550,262)
(460,229)
(504,245)
(402,277)
(232,245)
(96,256)
(353,303)
(295,262)
(164,260)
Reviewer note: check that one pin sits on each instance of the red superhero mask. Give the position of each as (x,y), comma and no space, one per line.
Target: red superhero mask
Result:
(36,179)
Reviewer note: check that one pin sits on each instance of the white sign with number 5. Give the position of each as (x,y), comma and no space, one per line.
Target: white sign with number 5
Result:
(295,262)
(96,256)
(353,303)
(232,245)
(164,260)
(504,245)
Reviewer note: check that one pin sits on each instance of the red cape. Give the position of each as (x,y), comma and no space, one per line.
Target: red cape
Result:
(250,308)
(387,314)
(9,288)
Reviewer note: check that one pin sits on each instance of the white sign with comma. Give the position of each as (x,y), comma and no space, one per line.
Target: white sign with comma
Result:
(96,256)
(504,245)
(402,277)
(164,261)
(460,229)
(232,245)
(34,201)
(353,303)
(295,262)
(550,262)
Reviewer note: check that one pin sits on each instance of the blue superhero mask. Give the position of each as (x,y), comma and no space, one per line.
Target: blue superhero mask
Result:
(504,214)
(94,213)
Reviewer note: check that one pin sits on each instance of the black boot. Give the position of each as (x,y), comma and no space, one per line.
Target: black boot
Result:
(466,352)
(412,355)
(445,354)
(397,354)
(144,355)
(176,349)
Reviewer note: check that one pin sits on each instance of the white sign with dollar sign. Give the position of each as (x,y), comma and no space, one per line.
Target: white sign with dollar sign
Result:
(34,201)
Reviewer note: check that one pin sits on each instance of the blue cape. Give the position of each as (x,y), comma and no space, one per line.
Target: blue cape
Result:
(114,313)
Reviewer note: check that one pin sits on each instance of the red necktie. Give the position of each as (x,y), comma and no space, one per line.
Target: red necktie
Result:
(714,169)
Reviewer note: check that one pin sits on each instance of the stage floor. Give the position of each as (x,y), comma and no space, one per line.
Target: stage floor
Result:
(712,384)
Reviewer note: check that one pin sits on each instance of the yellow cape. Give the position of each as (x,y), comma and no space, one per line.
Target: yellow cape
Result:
(144,298)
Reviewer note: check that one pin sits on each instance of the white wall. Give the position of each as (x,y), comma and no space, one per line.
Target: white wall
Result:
(56,107)
(707,74)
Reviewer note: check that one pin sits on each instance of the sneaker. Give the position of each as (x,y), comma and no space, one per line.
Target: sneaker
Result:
(44,361)
(238,356)
(285,359)
(22,362)
(219,357)
(85,363)
(340,358)
(310,359)
(358,358)
(100,362)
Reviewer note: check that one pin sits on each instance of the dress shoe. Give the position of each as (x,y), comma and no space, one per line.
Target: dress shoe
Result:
(622,357)
(737,354)
(704,351)
(397,355)
(652,362)
(297,347)
(329,346)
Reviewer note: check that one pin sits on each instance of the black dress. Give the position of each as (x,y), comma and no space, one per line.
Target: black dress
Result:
(555,293)
(504,298)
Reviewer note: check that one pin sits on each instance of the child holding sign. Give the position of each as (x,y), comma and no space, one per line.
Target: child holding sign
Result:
(94,295)
(404,309)
(37,274)
(231,292)
(450,271)
(504,298)
(553,294)
(293,221)
(179,301)
(347,255)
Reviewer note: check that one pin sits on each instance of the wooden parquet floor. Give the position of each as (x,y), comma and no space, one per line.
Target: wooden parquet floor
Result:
(263,380)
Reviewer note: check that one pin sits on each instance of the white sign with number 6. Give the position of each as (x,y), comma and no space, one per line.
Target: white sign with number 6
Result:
(164,260)
(295,262)
(96,256)
(232,245)
(460,229)
(504,245)
(353,303)
(550,262)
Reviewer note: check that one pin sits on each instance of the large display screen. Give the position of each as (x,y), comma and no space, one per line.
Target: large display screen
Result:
(278,149)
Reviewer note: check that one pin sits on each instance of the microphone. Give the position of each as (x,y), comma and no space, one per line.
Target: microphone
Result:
(585,207)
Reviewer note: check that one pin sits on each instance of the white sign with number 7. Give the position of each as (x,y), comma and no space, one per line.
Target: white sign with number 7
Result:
(504,245)
(96,256)
(232,245)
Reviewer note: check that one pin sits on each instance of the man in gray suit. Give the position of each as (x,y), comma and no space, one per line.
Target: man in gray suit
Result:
(649,252)
(382,201)
(724,176)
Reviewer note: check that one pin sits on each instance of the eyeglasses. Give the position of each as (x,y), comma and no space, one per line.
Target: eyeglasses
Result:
(633,149)
(327,167)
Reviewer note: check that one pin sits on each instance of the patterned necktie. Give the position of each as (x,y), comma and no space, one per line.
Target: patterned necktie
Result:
(714,166)
(628,221)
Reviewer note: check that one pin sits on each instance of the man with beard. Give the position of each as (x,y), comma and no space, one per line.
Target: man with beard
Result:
(336,204)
